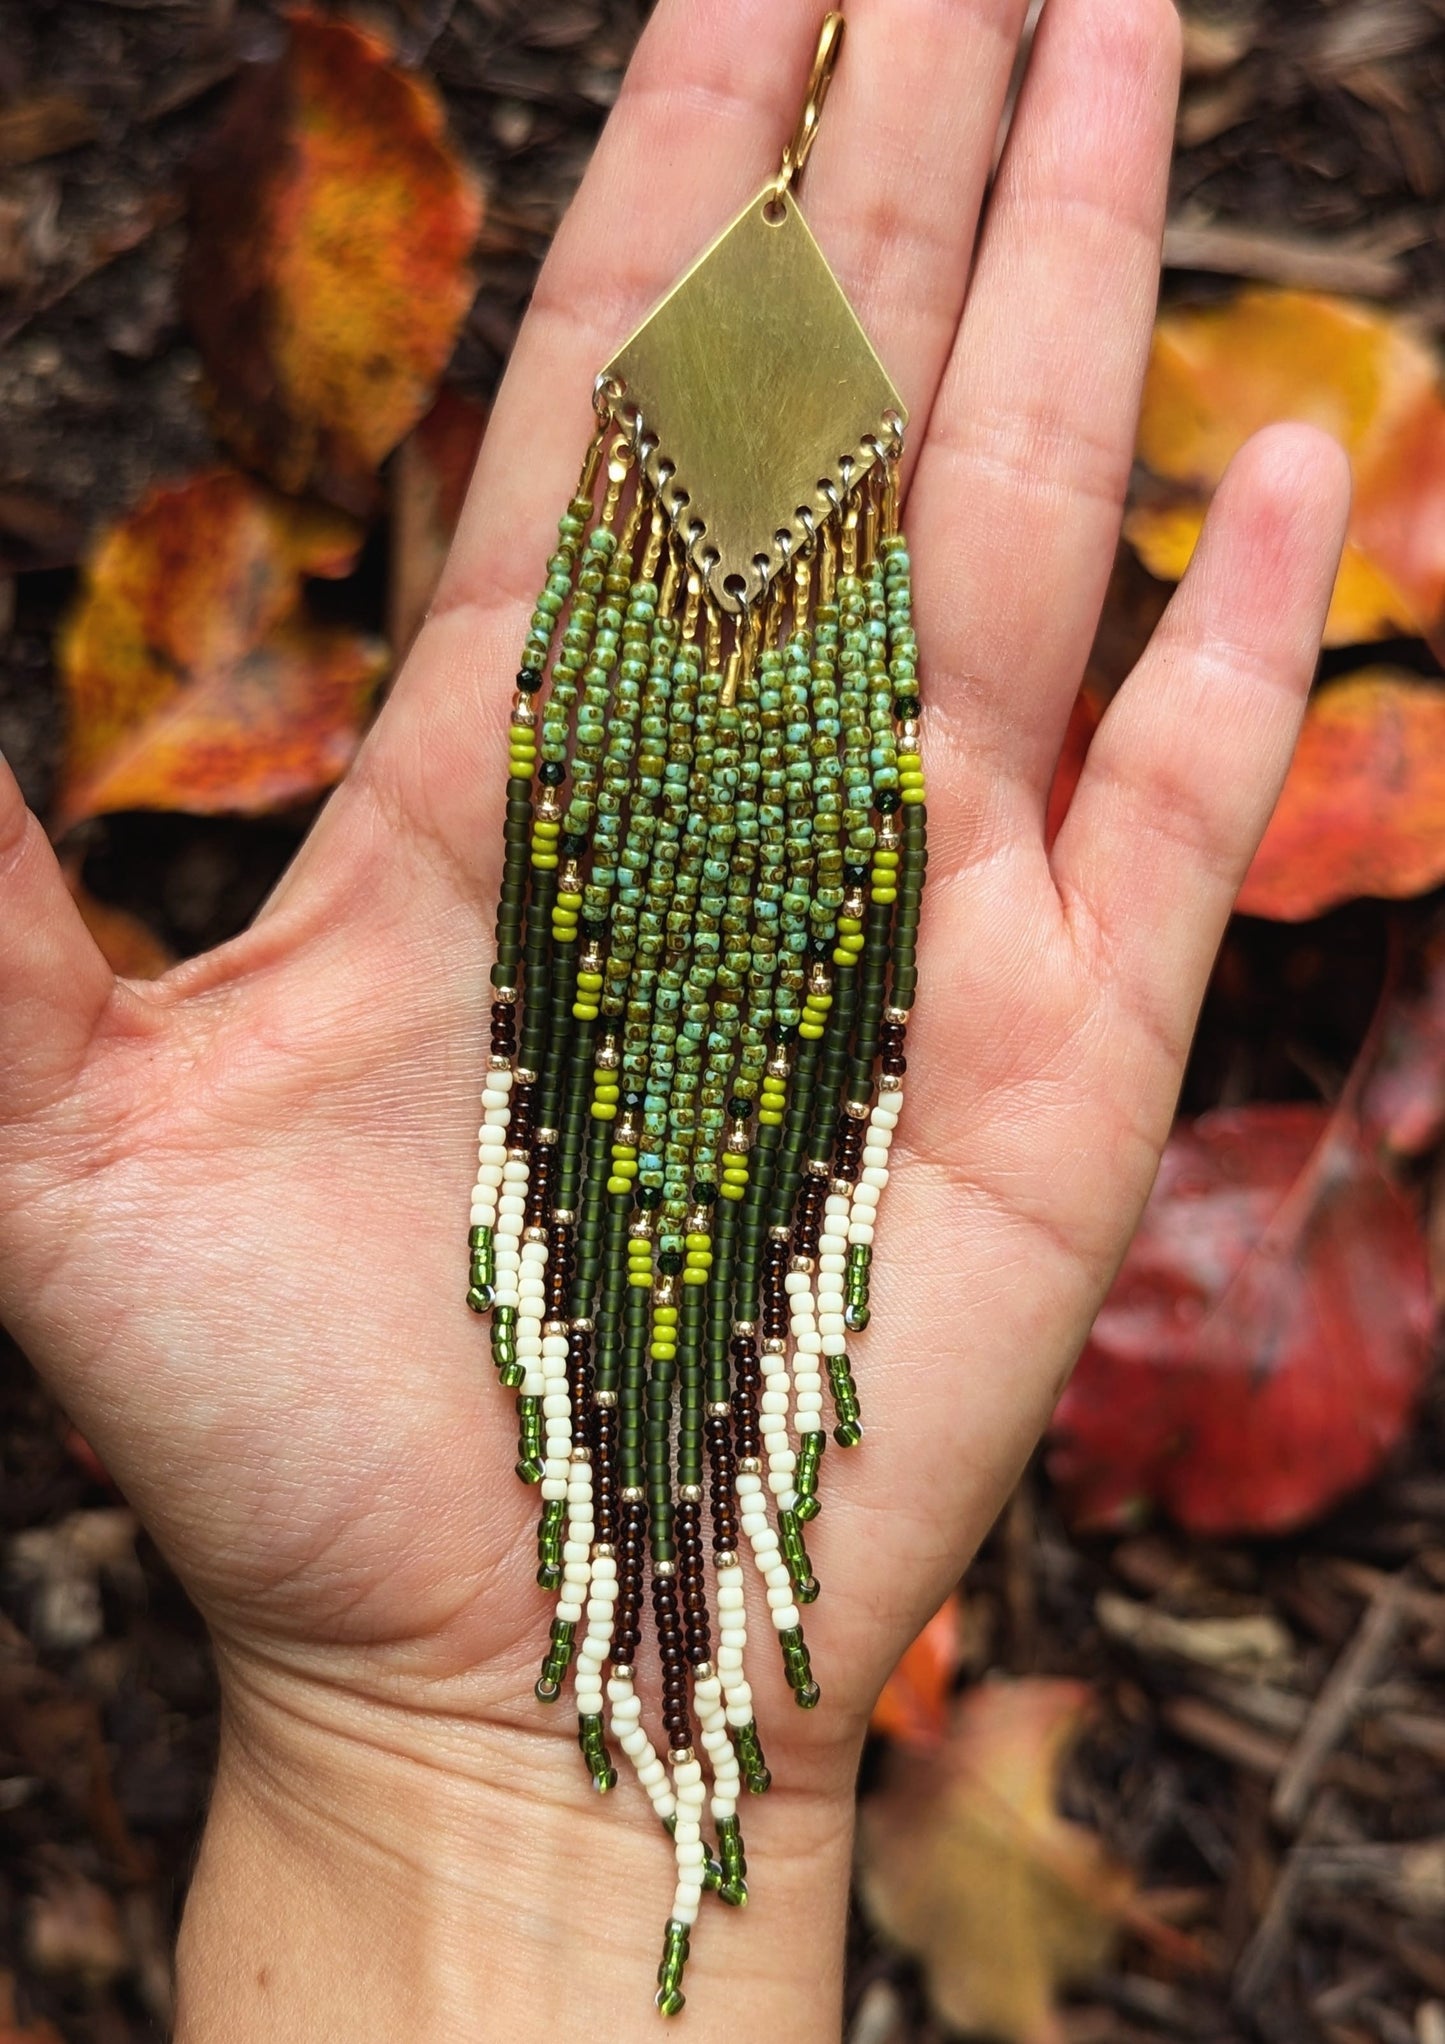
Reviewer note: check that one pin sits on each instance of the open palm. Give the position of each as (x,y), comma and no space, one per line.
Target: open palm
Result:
(233,1205)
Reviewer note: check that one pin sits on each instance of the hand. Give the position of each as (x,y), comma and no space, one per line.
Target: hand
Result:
(233,1204)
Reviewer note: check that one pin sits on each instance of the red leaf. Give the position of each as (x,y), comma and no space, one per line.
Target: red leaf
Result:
(1261,1351)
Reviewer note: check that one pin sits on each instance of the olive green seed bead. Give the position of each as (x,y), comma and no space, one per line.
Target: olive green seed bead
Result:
(753,1766)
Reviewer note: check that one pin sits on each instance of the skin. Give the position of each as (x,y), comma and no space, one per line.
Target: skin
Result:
(233,1204)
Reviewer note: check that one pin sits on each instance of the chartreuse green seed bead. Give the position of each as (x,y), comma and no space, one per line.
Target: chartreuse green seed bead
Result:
(798,1668)
(805,1479)
(750,1758)
(592,1740)
(670,1997)
(556,1662)
(733,1888)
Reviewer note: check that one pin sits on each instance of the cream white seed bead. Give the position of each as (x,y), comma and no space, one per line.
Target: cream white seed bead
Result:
(727,1775)
(732,1607)
(627,1729)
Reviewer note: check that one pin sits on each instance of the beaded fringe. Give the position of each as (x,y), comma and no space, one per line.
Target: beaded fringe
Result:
(705,965)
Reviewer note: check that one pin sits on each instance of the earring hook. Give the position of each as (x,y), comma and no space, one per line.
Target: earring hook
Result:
(830,44)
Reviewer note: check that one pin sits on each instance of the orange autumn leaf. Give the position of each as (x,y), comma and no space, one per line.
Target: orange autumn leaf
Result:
(328,272)
(193,680)
(965,1862)
(1362,811)
(914,1706)
(1218,375)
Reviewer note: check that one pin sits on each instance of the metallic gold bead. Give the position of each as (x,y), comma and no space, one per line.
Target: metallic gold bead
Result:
(725,1558)
(702,1671)
(679,1754)
(603,1550)
(640,1226)
(524,1077)
(622,1670)
(563,1217)
(698,1222)
(720,1409)
(888,835)
(690,1493)
(605,1401)
(632,1493)
(815,1169)
(745,1327)
(569,880)
(780,1234)
(591,961)
(778,1066)
(523,715)
(505,997)
(890,1083)
(517,1155)
(607,1055)
(664,1568)
(749,1465)
(665,1290)
(896,1015)
(534,1234)
(554,1327)
(857,1110)
(582,1325)
(802,1263)
(500,1063)
(549,809)
(545,1136)
(908,735)
(853,904)
(820,980)
(581,1454)
(843,1186)
(775,1345)
(626,1137)
(739,1142)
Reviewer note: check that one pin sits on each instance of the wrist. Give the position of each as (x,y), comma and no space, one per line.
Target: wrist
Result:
(371,1869)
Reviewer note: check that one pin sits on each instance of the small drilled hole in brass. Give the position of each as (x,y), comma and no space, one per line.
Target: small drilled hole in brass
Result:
(775,212)
(681,499)
(735,586)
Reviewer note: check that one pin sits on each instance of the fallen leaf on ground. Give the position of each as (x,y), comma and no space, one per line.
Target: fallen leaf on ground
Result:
(1362,811)
(966,1863)
(916,1700)
(192,678)
(1266,1340)
(428,487)
(327,277)
(1217,375)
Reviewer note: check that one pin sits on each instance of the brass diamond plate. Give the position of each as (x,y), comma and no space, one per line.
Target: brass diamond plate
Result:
(756,396)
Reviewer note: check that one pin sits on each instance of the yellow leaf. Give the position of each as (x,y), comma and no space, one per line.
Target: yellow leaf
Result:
(1217,375)
(966,1863)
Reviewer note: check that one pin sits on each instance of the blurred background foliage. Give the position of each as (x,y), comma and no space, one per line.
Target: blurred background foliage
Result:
(1170,1764)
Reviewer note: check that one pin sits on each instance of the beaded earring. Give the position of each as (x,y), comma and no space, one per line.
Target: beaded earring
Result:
(714,860)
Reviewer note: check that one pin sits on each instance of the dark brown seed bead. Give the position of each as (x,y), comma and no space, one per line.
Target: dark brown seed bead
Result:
(539,1184)
(848,1146)
(675,1715)
(559,1272)
(627,1632)
(808,1216)
(524,1108)
(747,1381)
(579,1381)
(775,1294)
(891,1039)
(604,1473)
(504,1029)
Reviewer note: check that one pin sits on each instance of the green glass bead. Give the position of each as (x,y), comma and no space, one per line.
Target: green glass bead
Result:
(753,1766)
